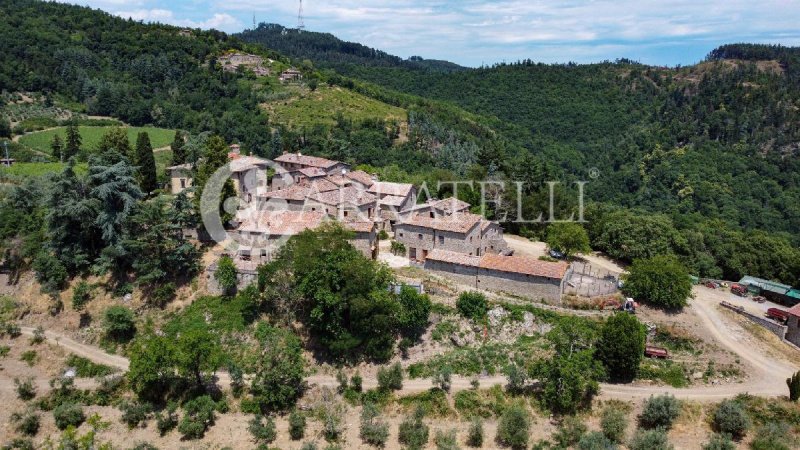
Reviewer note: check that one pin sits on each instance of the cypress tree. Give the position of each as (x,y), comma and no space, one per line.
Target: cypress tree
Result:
(178,150)
(57,147)
(147,163)
(73,141)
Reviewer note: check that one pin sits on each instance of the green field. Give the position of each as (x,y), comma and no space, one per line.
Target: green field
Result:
(36,169)
(40,140)
(322,106)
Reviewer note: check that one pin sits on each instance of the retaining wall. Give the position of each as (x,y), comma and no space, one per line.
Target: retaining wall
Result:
(774,327)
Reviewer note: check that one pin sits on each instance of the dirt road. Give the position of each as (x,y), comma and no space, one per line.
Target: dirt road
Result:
(767,379)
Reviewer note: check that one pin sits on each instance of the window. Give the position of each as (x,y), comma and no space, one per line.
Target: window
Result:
(345,213)
(432,215)
(401,234)
(183,183)
(441,239)
(419,236)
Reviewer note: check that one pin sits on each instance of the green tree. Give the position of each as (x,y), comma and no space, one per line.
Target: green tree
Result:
(621,346)
(297,425)
(263,429)
(146,162)
(568,238)
(73,144)
(514,427)
(68,414)
(390,378)
(198,353)
(475,433)
(660,280)
(278,380)
(116,140)
(115,192)
(373,431)
(614,422)
(119,323)
(650,440)
(5,127)
(415,311)
(57,147)
(226,275)
(472,305)
(595,440)
(215,156)
(413,432)
(178,150)
(152,365)
(719,442)
(794,386)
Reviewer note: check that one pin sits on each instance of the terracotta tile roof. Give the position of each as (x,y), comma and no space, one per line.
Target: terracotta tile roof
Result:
(795,310)
(313,172)
(449,205)
(458,222)
(385,188)
(362,226)
(454,257)
(283,223)
(245,163)
(348,195)
(297,192)
(361,177)
(339,180)
(310,161)
(393,200)
(186,166)
(321,185)
(524,265)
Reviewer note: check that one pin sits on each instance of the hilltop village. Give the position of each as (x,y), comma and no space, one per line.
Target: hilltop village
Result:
(439,235)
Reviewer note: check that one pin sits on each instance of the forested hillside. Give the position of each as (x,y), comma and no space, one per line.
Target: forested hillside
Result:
(699,161)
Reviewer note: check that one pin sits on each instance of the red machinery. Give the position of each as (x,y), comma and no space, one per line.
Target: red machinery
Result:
(779,315)
(739,290)
(652,351)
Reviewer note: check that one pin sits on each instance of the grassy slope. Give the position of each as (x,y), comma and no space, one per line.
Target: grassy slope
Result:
(159,137)
(322,106)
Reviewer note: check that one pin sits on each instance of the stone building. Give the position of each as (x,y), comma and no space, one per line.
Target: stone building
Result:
(180,178)
(793,325)
(393,198)
(516,275)
(421,234)
(296,168)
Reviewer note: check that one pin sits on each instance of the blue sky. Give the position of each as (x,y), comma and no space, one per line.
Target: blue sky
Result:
(472,32)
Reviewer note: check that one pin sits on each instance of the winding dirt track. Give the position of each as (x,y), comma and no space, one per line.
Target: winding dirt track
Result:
(766,379)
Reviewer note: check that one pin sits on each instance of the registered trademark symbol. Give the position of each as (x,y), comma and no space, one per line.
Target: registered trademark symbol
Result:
(594,173)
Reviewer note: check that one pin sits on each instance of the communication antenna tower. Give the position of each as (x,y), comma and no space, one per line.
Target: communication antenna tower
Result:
(301,25)
(254,21)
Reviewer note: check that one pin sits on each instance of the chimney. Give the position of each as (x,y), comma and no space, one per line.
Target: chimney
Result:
(344,171)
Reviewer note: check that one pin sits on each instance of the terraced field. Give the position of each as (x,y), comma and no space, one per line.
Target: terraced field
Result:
(40,140)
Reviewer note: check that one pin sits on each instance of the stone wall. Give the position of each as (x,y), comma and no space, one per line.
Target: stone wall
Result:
(773,327)
(409,235)
(535,288)
(793,331)
(244,278)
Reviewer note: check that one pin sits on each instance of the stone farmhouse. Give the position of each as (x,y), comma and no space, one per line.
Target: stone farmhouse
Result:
(516,275)
(232,61)
(290,75)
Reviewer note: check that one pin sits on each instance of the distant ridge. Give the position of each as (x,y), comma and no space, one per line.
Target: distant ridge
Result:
(327,50)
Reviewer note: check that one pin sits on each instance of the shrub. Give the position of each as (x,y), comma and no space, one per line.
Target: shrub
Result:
(26,423)
(135,413)
(198,415)
(513,428)
(443,378)
(226,275)
(569,432)
(773,436)
(166,420)
(86,368)
(391,378)
(119,324)
(517,378)
(263,429)
(356,383)
(81,295)
(67,414)
(29,356)
(297,425)
(383,235)
(475,433)
(341,378)
(413,432)
(397,248)
(472,305)
(446,440)
(25,388)
(650,440)
(38,336)
(731,418)
(613,422)
(13,330)
(373,431)
(313,446)
(719,442)
(595,440)
(660,412)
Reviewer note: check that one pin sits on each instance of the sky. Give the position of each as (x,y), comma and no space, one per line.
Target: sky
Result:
(474,33)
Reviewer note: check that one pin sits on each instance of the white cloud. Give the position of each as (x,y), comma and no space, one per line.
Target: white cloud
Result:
(219,21)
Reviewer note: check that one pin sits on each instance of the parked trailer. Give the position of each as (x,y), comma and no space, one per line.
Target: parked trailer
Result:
(652,351)
(739,290)
(779,315)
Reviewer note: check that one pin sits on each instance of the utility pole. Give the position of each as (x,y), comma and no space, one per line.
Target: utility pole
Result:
(5,146)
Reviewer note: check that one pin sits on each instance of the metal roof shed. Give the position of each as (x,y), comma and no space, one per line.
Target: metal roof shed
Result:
(766,285)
